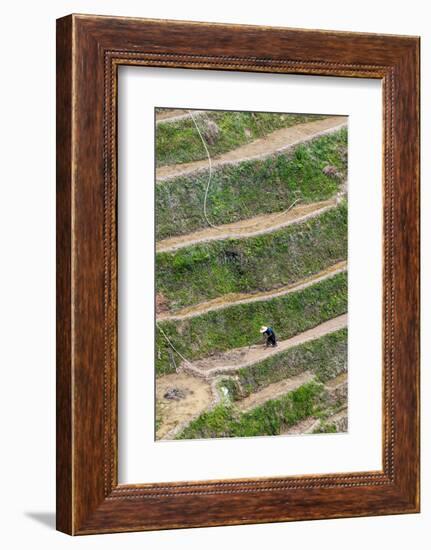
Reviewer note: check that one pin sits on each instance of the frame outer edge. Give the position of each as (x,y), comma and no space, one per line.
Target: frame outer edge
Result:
(81,507)
(407,273)
(64,367)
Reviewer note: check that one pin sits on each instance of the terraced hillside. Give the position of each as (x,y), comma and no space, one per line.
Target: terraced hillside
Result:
(257,235)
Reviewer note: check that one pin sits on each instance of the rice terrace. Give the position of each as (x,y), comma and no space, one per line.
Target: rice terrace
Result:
(251,274)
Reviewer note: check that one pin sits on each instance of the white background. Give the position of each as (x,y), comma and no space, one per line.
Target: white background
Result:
(141,458)
(27,274)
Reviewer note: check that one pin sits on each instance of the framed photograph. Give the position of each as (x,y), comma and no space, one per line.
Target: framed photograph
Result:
(237,274)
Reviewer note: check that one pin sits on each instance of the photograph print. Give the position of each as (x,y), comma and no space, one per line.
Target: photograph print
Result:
(250,273)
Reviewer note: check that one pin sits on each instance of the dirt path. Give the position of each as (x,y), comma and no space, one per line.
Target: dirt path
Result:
(274,390)
(308,425)
(232,360)
(173,413)
(337,389)
(340,420)
(228,300)
(337,382)
(265,223)
(199,395)
(172,115)
(302,427)
(277,141)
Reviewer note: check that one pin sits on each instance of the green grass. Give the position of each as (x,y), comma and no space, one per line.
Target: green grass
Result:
(232,388)
(268,419)
(208,270)
(179,141)
(326,429)
(238,326)
(327,425)
(241,191)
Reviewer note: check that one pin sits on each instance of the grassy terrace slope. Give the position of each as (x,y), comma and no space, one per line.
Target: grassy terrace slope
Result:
(243,190)
(271,418)
(238,325)
(198,273)
(326,357)
(178,141)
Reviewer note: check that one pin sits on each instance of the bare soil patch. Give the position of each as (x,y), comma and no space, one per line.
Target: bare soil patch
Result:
(173,412)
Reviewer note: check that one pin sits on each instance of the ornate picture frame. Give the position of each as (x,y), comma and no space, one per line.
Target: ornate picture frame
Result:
(89,51)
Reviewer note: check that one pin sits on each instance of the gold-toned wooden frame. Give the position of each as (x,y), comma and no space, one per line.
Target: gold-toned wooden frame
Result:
(89,51)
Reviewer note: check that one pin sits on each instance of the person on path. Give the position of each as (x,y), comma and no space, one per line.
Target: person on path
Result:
(271,339)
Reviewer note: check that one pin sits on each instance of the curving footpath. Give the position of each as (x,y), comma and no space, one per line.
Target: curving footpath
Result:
(233,299)
(235,359)
(275,142)
(264,223)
